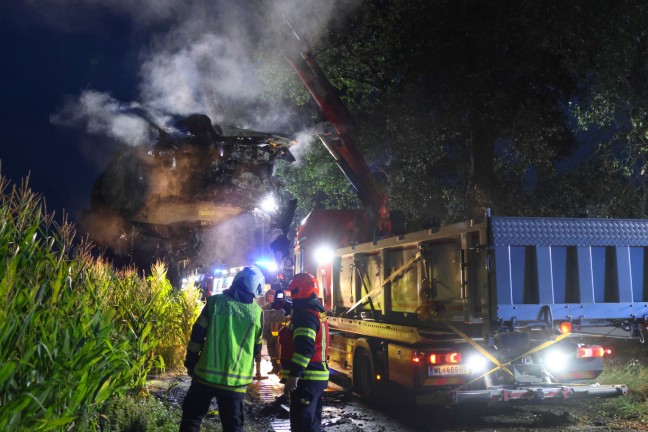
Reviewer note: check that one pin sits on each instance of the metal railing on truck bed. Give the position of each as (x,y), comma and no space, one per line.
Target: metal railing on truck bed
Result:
(580,270)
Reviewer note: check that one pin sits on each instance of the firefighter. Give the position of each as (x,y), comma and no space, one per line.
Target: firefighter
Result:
(304,350)
(220,357)
(271,324)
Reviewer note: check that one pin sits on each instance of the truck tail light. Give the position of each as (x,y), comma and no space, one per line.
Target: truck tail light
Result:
(592,351)
(447,358)
(565,327)
(454,357)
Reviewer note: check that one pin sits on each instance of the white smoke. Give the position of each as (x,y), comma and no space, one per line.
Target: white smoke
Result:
(305,140)
(207,59)
(103,115)
(229,243)
(202,76)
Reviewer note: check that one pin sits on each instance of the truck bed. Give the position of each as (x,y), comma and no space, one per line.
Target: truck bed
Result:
(578,269)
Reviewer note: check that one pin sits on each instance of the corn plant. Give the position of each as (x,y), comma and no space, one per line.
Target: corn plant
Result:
(175,324)
(73,331)
(59,353)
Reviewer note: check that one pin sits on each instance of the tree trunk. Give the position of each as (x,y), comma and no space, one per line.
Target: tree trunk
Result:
(481,178)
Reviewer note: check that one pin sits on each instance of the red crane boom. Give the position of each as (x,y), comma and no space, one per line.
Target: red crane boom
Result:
(343,149)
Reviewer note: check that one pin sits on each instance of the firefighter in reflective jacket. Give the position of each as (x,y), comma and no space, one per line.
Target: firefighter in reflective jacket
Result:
(304,351)
(220,357)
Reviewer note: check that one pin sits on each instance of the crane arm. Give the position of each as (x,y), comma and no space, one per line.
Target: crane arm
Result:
(342,148)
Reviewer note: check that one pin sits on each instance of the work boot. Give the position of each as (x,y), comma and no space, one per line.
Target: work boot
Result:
(279,400)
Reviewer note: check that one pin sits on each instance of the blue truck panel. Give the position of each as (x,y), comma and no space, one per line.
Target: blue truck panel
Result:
(581,269)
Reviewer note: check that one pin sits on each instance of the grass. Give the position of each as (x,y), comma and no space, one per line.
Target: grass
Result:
(148,414)
(139,414)
(627,366)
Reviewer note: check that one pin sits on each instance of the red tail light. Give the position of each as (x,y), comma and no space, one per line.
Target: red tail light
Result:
(437,358)
(590,351)
(416,359)
(454,357)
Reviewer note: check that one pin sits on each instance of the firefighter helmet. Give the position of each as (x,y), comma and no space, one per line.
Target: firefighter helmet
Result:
(251,280)
(303,286)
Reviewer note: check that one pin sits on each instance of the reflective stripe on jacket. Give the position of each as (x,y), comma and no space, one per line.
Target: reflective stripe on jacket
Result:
(304,346)
(227,356)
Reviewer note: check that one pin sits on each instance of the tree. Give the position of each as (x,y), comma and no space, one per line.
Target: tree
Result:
(316,181)
(463,105)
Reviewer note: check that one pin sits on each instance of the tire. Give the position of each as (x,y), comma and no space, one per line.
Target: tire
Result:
(364,381)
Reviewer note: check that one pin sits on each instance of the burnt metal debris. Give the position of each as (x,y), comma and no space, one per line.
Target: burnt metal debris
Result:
(154,202)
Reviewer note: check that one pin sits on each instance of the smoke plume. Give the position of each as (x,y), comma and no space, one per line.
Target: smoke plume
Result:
(101,114)
(206,58)
(197,56)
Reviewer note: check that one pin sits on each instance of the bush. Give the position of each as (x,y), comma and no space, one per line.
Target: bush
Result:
(139,414)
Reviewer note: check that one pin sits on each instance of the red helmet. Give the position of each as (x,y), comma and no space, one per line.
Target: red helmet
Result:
(303,286)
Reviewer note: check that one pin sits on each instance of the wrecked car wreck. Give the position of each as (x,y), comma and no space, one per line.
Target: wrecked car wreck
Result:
(155,202)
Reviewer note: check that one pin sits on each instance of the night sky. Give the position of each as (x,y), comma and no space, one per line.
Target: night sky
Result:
(43,64)
(70,74)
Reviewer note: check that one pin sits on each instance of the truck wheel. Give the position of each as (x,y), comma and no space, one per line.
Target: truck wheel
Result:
(364,383)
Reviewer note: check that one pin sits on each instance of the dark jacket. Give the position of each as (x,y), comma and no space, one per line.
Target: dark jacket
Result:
(304,341)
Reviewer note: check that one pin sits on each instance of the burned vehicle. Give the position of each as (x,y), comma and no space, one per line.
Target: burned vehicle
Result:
(155,202)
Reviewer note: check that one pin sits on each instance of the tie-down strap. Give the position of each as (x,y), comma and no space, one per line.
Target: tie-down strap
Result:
(387,280)
(498,364)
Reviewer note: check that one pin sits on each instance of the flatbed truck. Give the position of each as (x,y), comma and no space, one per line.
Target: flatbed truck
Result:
(497,310)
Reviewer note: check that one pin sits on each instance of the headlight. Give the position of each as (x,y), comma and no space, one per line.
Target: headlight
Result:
(323,254)
(556,360)
(477,363)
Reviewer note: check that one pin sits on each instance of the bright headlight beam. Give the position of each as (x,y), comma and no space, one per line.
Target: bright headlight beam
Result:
(477,363)
(269,265)
(323,254)
(556,360)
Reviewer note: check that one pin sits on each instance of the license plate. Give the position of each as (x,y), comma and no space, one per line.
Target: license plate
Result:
(448,370)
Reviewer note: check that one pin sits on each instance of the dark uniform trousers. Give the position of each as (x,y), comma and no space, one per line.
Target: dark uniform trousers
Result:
(196,405)
(306,406)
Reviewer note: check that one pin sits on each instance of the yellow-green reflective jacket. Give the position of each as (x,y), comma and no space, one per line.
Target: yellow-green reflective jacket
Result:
(227,356)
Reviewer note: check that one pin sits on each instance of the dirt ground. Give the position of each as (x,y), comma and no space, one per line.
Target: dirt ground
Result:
(344,412)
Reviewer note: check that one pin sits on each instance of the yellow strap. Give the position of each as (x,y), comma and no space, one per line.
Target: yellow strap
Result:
(376,290)
(494,360)
(401,269)
(481,349)
(543,346)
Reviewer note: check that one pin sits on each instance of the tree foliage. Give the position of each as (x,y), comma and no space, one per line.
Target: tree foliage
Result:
(525,107)
(316,181)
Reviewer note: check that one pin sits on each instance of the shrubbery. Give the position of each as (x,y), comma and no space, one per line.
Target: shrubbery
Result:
(75,331)
(139,414)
